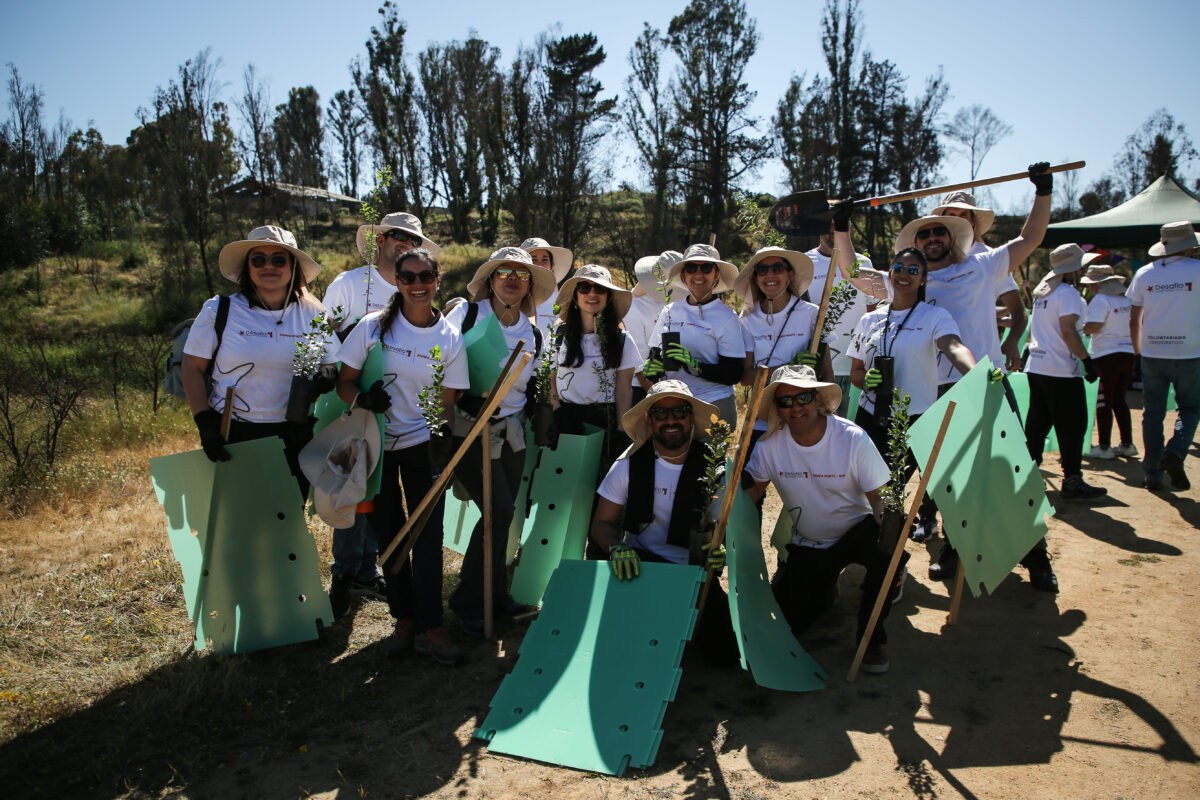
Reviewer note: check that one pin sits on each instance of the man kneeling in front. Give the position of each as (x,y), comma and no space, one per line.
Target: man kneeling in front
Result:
(829,475)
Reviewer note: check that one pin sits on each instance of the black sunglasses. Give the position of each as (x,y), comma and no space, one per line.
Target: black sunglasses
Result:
(925,233)
(799,399)
(703,269)
(583,287)
(278,260)
(409,278)
(912,269)
(402,237)
(675,412)
(767,269)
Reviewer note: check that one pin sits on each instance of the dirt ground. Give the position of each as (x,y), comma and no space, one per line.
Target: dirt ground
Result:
(1093,693)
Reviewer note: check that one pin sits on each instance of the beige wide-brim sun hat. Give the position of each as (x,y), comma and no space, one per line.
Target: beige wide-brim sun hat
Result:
(396,221)
(704,253)
(829,395)
(1101,273)
(619,299)
(1068,258)
(339,461)
(232,259)
(746,287)
(984,217)
(961,235)
(636,425)
(560,257)
(648,284)
(1175,237)
(543,279)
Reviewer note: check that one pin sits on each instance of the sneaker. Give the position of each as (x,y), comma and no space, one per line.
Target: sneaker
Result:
(946,565)
(1075,488)
(1173,466)
(517,611)
(436,643)
(1101,452)
(339,595)
(875,660)
(1155,482)
(924,529)
(471,626)
(401,640)
(1126,450)
(374,589)
(898,585)
(1041,576)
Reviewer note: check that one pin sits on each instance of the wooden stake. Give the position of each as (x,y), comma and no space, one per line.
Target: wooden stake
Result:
(933,191)
(503,383)
(731,480)
(957,595)
(815,340)
(890,575)
(227,414)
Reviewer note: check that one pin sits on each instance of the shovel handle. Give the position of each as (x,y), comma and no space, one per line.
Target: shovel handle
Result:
(916,194)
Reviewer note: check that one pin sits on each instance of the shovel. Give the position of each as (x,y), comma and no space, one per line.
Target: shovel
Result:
(808,213)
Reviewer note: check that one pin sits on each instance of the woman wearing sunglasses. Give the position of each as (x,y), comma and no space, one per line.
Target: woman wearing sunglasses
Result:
(698,340)
(510,287)
(251,346)
(596,358)
(408,329)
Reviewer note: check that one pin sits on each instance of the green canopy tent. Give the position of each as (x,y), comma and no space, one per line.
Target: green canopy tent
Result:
(1134,223)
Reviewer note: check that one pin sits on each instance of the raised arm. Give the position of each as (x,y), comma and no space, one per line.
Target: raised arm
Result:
(1034,229)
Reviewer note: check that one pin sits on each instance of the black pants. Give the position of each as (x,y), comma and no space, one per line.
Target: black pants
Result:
(805,582)
(415,592)
(467,599)
(714,638)
(294,438)
(879,437)
(571,417)
(1057,402)
(1116,376)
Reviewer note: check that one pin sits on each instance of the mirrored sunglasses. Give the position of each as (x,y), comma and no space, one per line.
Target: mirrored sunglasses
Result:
(277,260)
(911,269)
(409,278)
(514,272)
(675,412)
(799,399)
(925,233)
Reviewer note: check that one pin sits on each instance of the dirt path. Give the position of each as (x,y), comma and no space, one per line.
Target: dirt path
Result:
(1093,693)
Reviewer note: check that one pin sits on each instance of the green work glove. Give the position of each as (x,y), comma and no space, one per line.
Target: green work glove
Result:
(683,356)
(872,379)
(653,368)
(624,560)
(996,375)
(805,358)
(716,558)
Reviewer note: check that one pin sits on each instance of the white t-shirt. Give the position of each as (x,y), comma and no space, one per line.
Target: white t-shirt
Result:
(840,344)
(546,318)
(1048,351)
(968,291)
(1004,284)
(407,369)
(257,350)
(1165,289)
(823,487)
(770,341)
(639,321)
(514,401)
(350,291)
(581,385)
(716,333)
(615,488)
(1113,311)
(912,341)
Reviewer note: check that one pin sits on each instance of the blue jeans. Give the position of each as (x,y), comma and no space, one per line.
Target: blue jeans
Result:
(355,551)
(1157,375)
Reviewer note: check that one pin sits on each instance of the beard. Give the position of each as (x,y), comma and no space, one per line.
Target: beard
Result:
(673,436)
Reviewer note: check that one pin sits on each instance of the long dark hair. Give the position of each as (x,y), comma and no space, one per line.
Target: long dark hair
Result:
(912,251)
(396,302)
(299,285)
(608,330)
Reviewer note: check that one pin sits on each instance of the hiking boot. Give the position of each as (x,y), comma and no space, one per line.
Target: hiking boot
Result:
(374,589)
(472,626)
(875,660)
(1099,451)
(1173,466)
(436,643)
(401,640)
(1041,576)
(339,595)
(1126,450)
(1074,488)
(1155,482)
(946,565)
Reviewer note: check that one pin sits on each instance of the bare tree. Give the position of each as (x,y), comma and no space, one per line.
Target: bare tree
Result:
(256,145)
(976,130)
(650,121)
(1160,147)
(346,123)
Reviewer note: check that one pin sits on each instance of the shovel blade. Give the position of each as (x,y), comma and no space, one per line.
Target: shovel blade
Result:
(801,214)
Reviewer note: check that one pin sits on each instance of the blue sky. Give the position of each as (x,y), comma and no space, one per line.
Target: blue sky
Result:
(1072,78)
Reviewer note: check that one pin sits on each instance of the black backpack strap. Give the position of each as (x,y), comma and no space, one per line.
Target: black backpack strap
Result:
(219,322)
(537,341)
(470,317)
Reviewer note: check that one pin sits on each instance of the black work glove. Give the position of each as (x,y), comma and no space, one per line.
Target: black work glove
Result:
(324,380)
(374,399)
(470,404)
(1089,370)
(208,422)
(441,449)
(841,215)
(1043,181)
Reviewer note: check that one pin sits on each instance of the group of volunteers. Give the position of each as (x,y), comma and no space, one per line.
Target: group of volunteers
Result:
(655,367)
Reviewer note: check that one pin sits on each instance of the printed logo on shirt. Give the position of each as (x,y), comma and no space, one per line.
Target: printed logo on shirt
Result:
(400,350)
(784,474)
(291,335)
(960,276)
(1171,287)
(258,334)
(663,490)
